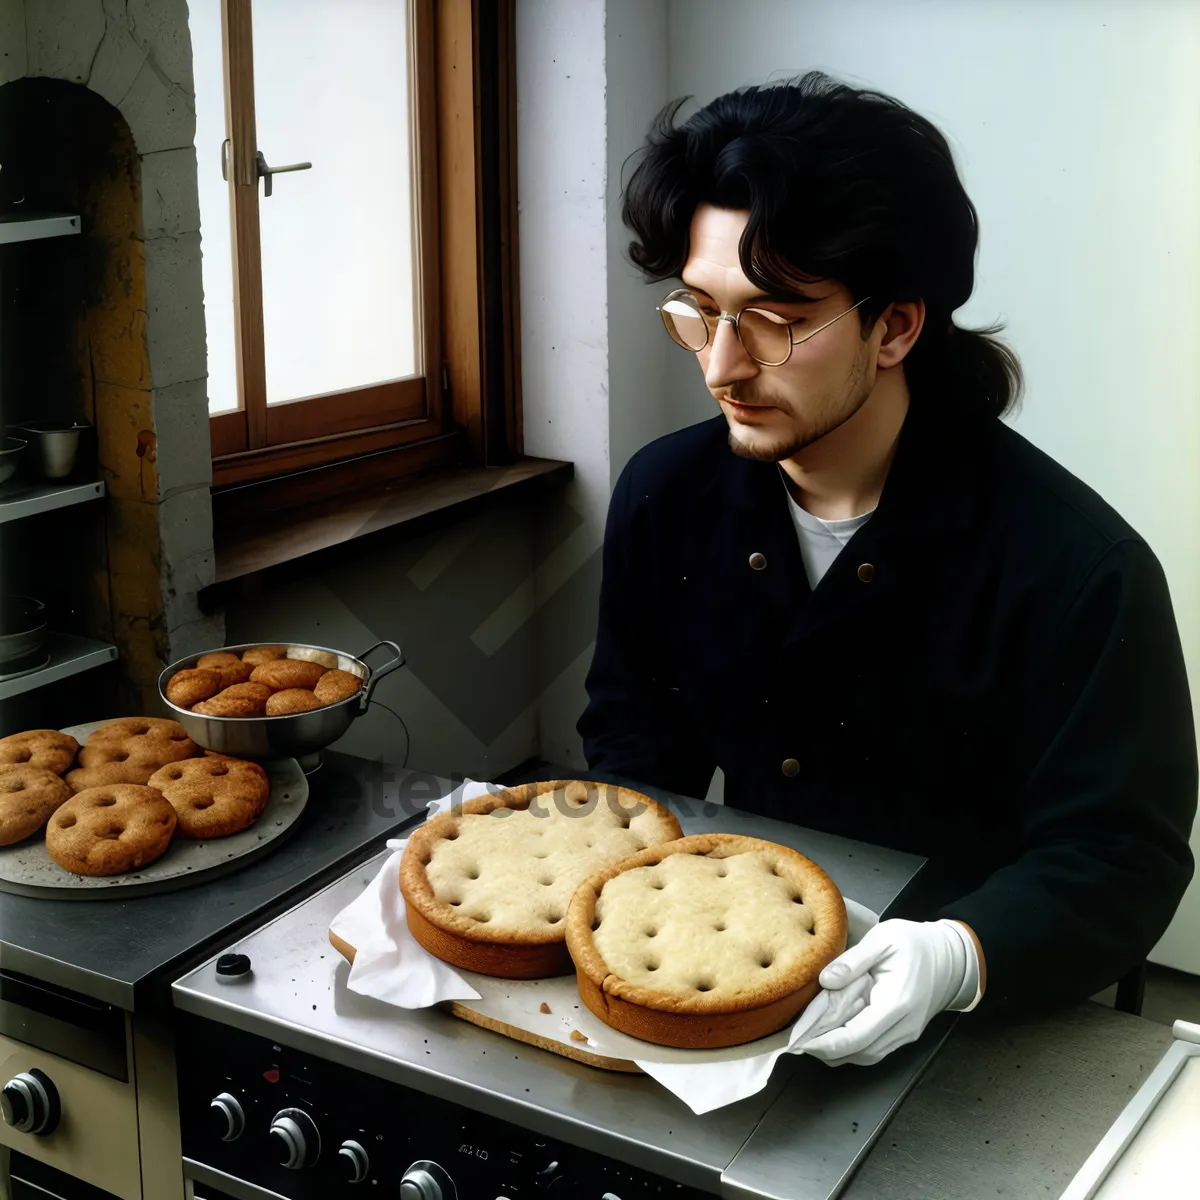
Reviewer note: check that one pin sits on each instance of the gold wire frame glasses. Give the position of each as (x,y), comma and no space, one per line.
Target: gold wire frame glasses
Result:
(765,336)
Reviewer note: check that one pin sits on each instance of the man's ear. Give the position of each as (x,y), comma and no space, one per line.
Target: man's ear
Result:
(903,322)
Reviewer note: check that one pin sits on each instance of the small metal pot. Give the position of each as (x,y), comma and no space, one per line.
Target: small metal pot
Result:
(297,735)
(56,446)
(22,631)
(10,452)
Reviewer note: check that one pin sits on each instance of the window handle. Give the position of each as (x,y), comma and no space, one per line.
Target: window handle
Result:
(265,172)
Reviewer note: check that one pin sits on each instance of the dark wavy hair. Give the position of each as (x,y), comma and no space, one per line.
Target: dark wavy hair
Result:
(841,183)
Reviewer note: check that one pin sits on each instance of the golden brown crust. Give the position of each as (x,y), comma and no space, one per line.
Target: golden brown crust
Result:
(284,673)
(146,741)
(335,686)
(240,700)
(292,700)
(108,774)
(516,946)
(217,658)
(257,655)
(234,673)
(213,796)
(190,686)
(709,1014)
(39,748)
(28,797)
(110,830)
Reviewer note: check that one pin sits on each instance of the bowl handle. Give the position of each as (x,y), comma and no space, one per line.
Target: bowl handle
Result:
(377,674)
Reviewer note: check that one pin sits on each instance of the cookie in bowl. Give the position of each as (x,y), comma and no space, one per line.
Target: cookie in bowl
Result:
(292,700)
(257,655)
(240,700)
(710,941)
(283,673)
(486,885)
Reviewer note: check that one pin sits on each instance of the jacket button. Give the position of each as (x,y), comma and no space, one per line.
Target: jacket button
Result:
(791,767)
(758,562)
(866,572)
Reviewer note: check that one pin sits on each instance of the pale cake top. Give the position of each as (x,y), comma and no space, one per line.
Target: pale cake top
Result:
(708,923)
(506,865)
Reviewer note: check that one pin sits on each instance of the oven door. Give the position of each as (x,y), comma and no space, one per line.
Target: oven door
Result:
(24,1178)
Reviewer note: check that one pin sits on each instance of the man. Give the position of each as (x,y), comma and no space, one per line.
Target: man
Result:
(877,608)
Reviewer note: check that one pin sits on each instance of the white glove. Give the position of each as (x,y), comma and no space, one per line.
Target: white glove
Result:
(918,969)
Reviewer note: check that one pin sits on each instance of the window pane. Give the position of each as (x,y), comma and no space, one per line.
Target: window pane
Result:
(331,88)
(205,22)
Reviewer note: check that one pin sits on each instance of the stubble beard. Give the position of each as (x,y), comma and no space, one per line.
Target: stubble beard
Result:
(854,397)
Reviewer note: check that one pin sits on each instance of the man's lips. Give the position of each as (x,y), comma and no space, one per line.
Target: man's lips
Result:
(739,407)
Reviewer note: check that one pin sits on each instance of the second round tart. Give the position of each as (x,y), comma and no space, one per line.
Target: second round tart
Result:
(710,941)
(486,885)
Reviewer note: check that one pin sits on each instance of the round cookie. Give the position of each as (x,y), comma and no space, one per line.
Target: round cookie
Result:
(39,748)
(108,773)
(28,797)
(288,673)
(189,687)
(336,686)
(110,830)
(257,655)
(214,796)
(241,700)
(292,700)
(143,741)
(217,658)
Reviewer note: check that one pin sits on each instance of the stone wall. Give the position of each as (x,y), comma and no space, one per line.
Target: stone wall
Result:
(147,345)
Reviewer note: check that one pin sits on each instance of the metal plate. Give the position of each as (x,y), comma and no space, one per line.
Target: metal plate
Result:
(26,869)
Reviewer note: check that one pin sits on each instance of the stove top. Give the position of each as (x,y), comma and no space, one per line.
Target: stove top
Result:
(411,1087)
(117,952)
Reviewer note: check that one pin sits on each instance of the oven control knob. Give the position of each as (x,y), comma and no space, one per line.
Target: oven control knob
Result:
(426,1181)
(356,1160)
(231,1120)
(297,1137)
(30,1104)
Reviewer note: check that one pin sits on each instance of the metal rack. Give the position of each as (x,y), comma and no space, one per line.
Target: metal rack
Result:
(66,654)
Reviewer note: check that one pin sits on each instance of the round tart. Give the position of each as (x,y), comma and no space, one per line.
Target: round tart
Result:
(486,884)
(709,941)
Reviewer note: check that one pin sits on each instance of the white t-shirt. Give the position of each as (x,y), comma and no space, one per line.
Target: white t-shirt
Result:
(821,541)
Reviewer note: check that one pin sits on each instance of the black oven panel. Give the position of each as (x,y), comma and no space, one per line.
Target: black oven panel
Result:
(309,1129)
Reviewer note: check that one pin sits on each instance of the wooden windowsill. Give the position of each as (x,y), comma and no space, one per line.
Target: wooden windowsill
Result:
(245,554)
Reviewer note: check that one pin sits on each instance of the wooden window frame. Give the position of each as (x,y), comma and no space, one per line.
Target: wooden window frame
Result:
(466,405)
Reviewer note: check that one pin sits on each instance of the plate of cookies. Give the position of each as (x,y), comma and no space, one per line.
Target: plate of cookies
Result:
(96,810)
(261,702)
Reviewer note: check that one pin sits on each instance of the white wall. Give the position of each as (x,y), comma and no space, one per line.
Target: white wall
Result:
(590,77)
(1077,126)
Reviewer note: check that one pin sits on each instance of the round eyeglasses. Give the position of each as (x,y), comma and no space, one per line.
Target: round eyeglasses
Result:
(765,336)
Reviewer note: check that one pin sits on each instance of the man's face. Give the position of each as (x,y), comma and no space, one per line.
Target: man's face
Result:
(775,412)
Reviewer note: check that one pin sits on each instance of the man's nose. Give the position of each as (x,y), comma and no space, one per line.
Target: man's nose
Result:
(728,361)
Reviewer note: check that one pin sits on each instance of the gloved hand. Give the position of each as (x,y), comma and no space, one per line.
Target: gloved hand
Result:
(918,969)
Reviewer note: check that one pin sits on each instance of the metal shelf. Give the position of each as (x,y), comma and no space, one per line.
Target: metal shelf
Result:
(27,500)
(68,656)
(30,227)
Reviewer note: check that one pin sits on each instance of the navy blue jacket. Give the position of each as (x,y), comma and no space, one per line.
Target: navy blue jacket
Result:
(989,675)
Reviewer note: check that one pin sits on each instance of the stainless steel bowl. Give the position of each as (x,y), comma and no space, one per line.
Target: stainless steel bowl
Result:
(22,631)
(296,735)
(56,446)
(10,452)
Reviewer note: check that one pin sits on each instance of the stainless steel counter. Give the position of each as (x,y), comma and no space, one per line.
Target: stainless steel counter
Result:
(296,993)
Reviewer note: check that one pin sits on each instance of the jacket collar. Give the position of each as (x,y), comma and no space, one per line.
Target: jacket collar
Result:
(933,487)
